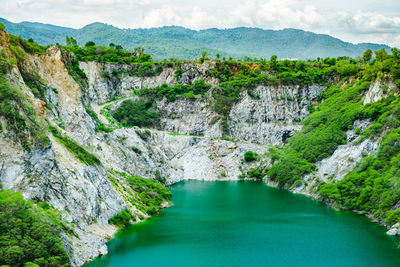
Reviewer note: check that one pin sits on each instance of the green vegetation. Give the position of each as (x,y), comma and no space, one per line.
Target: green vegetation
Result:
(178,42)
(171,93)
(136,150)
(100,126)
(30,233)
(73,147)
(28,46)
(121,219)
(152,194)
(110,54)
(15,107)
(250,156)
(146,194)
(35,83)
(144,135)
(373,186)
(139,113)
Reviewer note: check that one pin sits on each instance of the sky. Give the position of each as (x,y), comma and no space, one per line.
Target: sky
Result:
(350,20)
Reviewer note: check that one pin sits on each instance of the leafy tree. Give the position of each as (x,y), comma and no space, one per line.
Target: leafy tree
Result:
(90,44)
(395,53)
(367,55)
(29,233)
(70,41)
(273,62)
(137,113)
(381,54)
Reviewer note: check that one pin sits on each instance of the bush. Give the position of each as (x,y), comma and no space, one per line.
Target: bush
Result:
(393,217)
(29,233)
(289,167)
(256,173)
(121,219)
(148,195)
(329,191)
(250,156)
(137,113)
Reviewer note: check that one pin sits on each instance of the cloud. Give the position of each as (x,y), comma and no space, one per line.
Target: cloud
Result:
(374,23)
(277,14)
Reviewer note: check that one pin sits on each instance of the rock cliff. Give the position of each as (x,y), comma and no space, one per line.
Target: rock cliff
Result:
(186,144)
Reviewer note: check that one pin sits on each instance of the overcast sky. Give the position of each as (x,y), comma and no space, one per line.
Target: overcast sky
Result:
(350,20)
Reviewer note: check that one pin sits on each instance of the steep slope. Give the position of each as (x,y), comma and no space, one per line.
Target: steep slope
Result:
(178,42)
(70,134)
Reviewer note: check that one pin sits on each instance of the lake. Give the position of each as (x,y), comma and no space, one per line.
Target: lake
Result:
(245,223)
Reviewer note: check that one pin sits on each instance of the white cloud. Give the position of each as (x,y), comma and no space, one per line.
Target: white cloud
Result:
(277,14)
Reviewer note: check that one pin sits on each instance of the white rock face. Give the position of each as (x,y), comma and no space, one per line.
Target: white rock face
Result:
(269,120)
(394,230)
(104,84)
(379,90)
(344,159)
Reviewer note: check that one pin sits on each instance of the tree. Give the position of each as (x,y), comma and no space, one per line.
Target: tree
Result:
(217,55)
(2,27)
(381,54)
(111,45)
(395,53)
(89,44)
(70,41)
(367,55)
(273,62)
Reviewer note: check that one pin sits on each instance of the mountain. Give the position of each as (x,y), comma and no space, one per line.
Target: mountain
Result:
(183,43)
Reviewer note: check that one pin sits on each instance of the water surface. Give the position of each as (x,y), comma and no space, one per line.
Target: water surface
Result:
(249,224)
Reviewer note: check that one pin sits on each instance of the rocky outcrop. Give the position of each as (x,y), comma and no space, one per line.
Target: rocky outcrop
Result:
(394,230)
(113,80)
(379,90)
(270,118)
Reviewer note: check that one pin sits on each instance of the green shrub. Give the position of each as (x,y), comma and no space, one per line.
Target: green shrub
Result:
(148,195)
(256,173)
(393,216)
(329,191)
(29,233)
(249,156)
(73,147)
(136,150)
(289,167)
(121,219)
(137,113)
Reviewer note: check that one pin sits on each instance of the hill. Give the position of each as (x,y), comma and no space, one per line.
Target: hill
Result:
(183,43)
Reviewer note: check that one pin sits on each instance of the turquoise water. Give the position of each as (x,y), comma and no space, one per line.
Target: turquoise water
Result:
(249,224)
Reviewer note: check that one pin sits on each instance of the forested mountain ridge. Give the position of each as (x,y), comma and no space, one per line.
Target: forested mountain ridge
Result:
(182,43)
